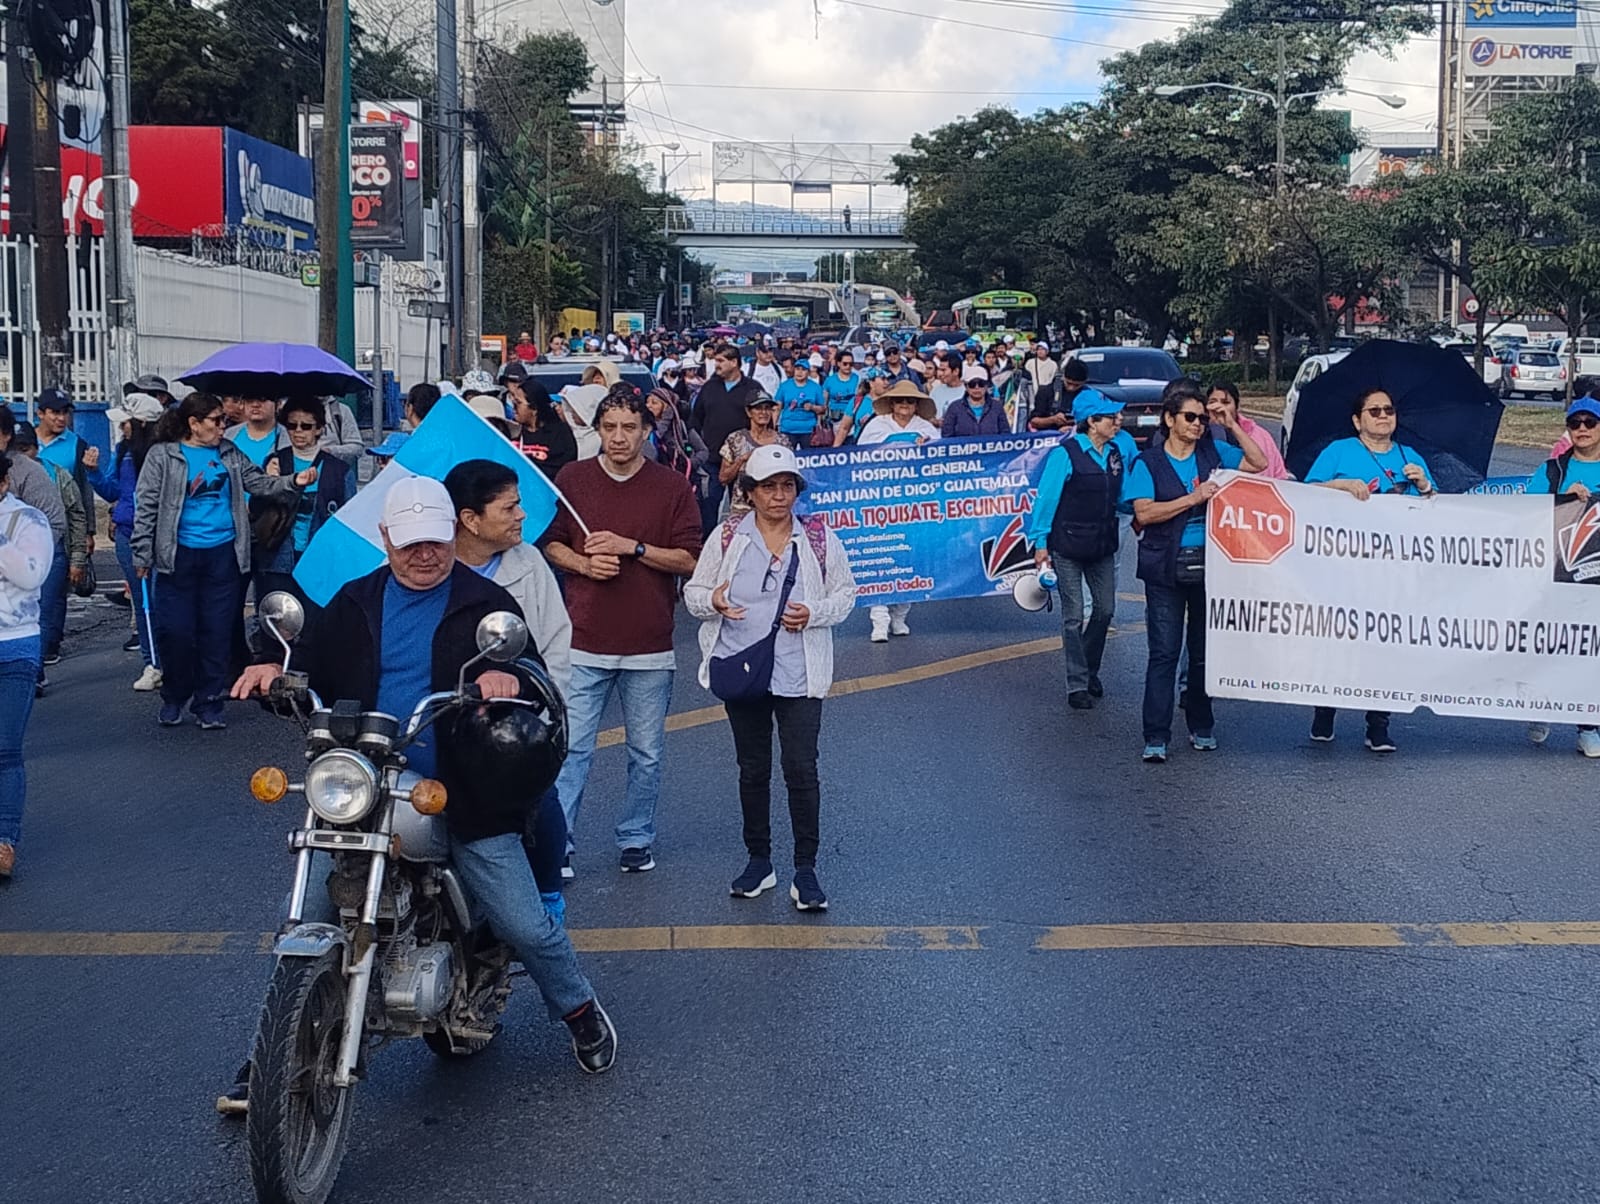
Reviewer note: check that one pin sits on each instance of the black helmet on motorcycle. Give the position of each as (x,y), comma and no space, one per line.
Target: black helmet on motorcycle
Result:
(514,750)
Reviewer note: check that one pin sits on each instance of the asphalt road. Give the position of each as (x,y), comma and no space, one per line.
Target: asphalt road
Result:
(953,1029)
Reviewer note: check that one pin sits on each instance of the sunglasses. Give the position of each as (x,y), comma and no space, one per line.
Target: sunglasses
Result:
(299,426)
(1585,421)
(217,418)
(1380,411)
(1192,416)
(977,384)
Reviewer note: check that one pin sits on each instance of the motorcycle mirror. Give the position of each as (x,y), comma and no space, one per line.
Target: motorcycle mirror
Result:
(502,636)
(282,613)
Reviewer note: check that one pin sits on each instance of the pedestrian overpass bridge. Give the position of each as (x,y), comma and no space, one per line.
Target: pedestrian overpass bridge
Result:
(740,227)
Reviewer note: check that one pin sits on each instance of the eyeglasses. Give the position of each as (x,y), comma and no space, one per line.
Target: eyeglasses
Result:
(1192,416)
(1585,421)
(299,426)
(217,418)
(1380,411)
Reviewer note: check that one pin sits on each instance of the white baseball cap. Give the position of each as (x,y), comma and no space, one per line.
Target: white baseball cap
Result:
(941,345)
(418,510)
(771,460)
(140,407)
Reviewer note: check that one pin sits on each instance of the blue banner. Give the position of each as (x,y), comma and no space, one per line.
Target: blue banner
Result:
(946,519)
(1501,485)
(269,189)
(1527,14)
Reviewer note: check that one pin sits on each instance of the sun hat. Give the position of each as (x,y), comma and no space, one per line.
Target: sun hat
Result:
(770,461)
(418,510)
(478,381)
(135,407)
(905,390)
(487,405)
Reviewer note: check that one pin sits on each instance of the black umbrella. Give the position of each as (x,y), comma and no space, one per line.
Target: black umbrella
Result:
(757,329)
(1444,410)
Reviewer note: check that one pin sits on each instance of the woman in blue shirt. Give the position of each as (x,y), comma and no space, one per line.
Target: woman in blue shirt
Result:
(304,419)
(1575,472)
(192,531)
(1369,462)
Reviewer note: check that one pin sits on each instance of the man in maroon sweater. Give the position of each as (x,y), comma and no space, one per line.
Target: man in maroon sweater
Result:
(645,531)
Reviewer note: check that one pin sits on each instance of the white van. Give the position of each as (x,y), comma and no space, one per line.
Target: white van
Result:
(1587,354)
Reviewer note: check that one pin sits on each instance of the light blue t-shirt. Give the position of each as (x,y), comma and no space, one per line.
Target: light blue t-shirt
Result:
(256,450)
(1352,460)
(308,500)
(1579,472)
(841,391)
(1140,484)
(792,420)
(405,662)
(206,520)
(489,567)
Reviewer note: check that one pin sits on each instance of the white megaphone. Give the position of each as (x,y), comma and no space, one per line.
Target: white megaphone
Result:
(1029,592)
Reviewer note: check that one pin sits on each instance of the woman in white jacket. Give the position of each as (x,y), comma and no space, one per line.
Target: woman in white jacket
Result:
(489,516)
(26,549)
(736,590)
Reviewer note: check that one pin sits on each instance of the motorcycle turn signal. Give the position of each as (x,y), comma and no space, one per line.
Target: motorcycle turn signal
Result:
(428,797)
(269,784)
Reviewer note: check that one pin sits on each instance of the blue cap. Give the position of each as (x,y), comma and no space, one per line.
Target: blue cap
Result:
(1584,405)
(389,446)
(874,374)
(1091,403)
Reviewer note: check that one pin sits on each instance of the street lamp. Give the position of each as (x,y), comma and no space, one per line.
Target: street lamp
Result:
(1280,104)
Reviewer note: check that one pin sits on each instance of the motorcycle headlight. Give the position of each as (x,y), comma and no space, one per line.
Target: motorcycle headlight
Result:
(341,786)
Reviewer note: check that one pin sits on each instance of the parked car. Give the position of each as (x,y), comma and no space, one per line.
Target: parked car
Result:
(557,374)
(1134,376)
(1580,357)
(1492,367)
(926,339)
(1527,372)
(1311,367)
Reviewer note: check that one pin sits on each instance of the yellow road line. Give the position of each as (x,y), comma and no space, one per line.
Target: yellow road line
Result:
(823,936)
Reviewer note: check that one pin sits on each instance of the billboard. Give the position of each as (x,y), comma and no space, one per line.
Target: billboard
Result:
(1523,14)
(1400,153)
(1541,52)
(407,114)
(377,167)
(269,190)
(801,163)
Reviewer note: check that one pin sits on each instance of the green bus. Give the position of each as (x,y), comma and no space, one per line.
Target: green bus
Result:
(997,312)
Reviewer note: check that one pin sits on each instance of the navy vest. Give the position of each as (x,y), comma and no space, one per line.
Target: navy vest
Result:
(1085,524)
(1158,544)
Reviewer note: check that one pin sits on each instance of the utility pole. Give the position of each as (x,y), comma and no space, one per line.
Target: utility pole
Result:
(336,301)
(471,227)
(546,319)
(1281,108)
(50,239)
(19,163)
(447,107)
(117,202)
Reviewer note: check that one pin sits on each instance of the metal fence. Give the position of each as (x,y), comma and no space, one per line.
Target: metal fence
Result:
(21,370)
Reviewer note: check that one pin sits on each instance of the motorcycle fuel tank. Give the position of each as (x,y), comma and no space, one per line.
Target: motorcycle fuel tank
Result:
(422,837)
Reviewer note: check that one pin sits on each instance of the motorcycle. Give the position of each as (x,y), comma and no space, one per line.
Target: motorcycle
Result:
(405,958)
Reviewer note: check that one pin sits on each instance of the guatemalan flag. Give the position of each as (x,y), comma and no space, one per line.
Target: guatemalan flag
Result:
(349,546)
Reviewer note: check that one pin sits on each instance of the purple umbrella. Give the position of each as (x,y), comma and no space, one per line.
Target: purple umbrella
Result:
(275,370)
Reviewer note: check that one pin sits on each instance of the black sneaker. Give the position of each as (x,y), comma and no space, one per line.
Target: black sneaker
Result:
(1378,738)
(40,686)
(170,715)
(212,720)
(1096,690)
(53,658)
(637,861)
(757,877)
(1322,725)
(1079,700)
(806,891)
(567,872)
(594,1038)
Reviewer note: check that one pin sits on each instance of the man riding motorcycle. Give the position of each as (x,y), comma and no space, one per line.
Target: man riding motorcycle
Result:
(389,639)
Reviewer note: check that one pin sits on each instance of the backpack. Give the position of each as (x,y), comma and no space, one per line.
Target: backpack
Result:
(816,535)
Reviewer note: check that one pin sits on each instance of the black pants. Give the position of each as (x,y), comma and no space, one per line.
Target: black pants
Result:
(193,626)
(1374,718)
(799,721)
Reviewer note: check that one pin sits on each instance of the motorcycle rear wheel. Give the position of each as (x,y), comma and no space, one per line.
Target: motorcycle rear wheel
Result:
(299,1121)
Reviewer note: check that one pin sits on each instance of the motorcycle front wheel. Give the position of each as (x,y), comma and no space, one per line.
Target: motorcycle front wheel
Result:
(299,1120)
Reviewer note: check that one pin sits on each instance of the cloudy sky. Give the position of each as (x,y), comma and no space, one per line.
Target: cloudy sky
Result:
(878,71)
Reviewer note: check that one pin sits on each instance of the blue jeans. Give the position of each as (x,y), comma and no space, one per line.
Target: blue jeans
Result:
(19,670)
(1083,639)
(136,591)
(53,602)
(502,890)
(711,504)
(645,694)
(1170,610)
(200,604)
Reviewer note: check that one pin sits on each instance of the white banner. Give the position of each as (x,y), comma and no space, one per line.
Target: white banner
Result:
(1467,605)
(1542,52)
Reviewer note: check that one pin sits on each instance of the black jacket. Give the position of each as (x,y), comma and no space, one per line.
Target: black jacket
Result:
(341,654)
(720,409)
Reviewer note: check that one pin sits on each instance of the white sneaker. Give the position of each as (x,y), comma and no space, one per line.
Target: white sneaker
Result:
(1538,733)
(880,631)
(149,680)
(898,627)
(1589,743)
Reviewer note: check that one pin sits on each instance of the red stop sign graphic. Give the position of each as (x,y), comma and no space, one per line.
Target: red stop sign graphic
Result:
(1250,521)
